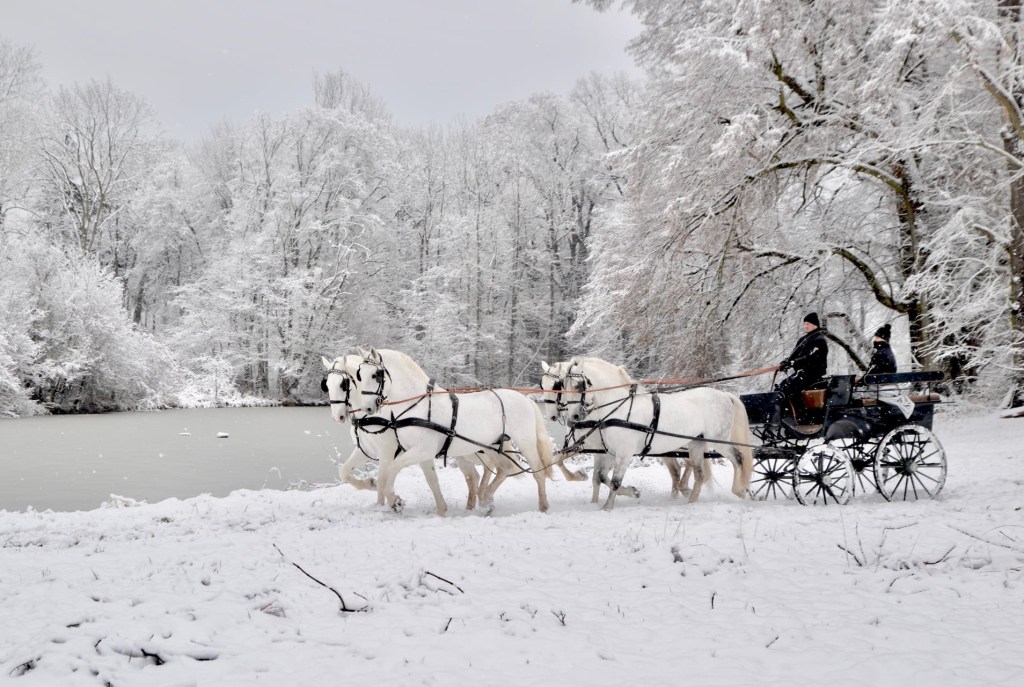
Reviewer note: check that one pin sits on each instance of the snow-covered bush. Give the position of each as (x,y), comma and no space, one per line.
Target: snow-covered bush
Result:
(66,342)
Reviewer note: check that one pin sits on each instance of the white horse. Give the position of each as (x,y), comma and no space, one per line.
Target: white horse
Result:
(380,443)
(394,387)
(640,423)
(561,391)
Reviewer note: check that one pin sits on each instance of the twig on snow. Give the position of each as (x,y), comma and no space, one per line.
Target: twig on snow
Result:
(944,557)
(344,607)
(853,555)
(427,572)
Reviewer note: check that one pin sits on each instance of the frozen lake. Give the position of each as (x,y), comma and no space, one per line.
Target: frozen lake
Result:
(75,462)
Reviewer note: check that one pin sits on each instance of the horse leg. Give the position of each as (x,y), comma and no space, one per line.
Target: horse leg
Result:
(597,477)
(345,471)
(740,480)
(672,465)
(615,485)
(697,461)
(468,468)
(496,470)
(570,475)
(430,472)
(385,478)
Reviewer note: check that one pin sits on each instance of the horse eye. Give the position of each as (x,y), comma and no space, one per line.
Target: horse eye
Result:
(323,384)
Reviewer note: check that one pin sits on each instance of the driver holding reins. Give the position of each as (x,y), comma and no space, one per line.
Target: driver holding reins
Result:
(809,359)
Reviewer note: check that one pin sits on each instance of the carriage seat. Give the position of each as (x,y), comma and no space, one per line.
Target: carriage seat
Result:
(813,399)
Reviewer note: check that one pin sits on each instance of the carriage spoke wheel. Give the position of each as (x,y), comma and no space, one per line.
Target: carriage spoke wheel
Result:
(910,464)
(772,477)
(823,476)
(862,462)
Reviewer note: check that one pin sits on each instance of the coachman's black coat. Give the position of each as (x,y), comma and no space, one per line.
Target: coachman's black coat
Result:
(810,356)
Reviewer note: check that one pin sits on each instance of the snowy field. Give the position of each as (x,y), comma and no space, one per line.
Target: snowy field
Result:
(209,591)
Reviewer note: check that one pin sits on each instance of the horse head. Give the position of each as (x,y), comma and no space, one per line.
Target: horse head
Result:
(576,383)
(564,386)
(551,385)
(372,381)
(339,387)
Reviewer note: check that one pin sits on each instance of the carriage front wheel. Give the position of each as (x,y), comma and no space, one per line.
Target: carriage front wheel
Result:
(772,477)
(910,464)
(823,476)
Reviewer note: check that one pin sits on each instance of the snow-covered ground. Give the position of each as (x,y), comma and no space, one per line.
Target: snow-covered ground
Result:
(209,591)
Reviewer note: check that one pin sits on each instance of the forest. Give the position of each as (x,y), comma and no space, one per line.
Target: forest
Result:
(864,160)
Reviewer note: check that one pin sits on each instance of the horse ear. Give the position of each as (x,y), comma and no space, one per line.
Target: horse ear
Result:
(363,353)
(374,356)
(327,363)
(544,366)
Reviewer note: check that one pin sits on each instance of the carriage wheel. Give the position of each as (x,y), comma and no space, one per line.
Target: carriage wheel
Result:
(910,464)
(772,477)
(862,462)
(823,476)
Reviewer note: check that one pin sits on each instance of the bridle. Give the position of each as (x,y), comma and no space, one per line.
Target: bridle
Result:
(346,386)
(380,374)
(578,387)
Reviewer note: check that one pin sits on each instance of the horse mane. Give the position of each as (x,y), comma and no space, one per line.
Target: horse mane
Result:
(413,367)
(610,368)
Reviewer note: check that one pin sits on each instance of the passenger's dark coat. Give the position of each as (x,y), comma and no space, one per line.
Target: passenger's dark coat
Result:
(883,361)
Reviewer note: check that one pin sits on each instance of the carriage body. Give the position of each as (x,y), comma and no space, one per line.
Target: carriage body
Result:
(849,435)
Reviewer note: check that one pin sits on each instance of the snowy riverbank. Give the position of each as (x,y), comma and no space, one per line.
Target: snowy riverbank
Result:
(208,591)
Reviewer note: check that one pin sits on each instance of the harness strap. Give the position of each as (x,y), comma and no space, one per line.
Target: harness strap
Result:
(361,424)
(450,434)
(653,428)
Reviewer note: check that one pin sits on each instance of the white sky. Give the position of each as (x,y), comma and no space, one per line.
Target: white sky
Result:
(200,61)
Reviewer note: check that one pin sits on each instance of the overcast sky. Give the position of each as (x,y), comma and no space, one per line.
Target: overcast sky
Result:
(200,61)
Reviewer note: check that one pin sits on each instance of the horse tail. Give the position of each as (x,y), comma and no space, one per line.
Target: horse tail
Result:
(741,436)
(545,448)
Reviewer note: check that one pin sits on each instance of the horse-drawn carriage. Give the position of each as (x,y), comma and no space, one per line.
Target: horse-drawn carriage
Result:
(845,436)
(849,437)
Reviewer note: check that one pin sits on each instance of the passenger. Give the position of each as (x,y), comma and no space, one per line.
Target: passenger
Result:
(882,359)
(809,359)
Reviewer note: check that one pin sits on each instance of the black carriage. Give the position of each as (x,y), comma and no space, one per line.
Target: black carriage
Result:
(849,436)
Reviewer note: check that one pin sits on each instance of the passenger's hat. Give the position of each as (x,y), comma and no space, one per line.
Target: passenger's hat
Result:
(884,332)
(812,317)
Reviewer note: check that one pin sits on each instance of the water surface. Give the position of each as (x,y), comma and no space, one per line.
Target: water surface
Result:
(75,462)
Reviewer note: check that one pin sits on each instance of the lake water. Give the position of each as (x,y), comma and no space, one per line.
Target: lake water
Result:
(75,462)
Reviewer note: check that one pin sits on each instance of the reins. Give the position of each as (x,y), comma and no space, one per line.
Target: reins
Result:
(681,383)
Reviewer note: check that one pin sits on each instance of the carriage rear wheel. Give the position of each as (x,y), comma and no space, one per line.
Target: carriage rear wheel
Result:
(910,464)
(823,476)
(772,477)
(862,462)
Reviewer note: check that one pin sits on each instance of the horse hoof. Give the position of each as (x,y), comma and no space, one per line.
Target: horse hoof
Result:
(399,505)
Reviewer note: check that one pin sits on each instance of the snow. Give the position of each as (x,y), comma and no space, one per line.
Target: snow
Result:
(209,591)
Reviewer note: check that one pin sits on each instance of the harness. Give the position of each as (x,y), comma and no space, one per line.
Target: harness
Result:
(397,422)
(650,430)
